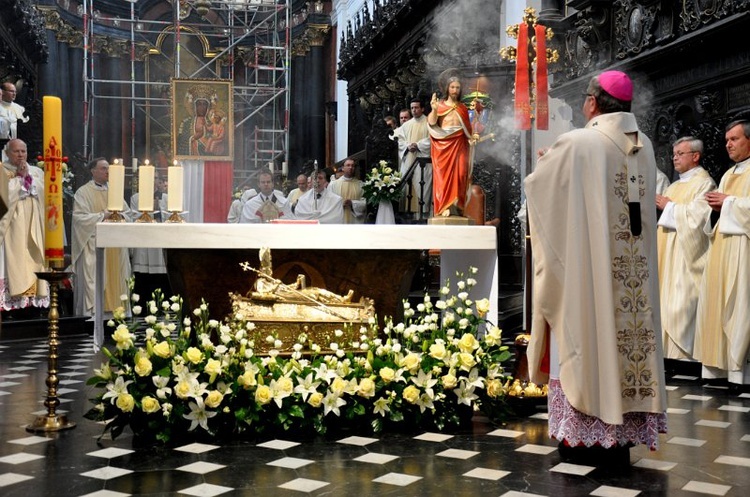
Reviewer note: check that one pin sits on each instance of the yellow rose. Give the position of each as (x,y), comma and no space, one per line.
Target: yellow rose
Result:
(143,366)
(150,405)
(247,380)
(263,395)
(411,394)
(213,368)
(494,388)
(468,343)
(437,351)
(125,402)
(183,389)
(483,307)
(387,374)
(493,336)
(449,381)
(339,384)
(411,362)
(466,361)
(315,399)
(194,355)
(213,399)
(122,337)
(285,385)
(366,388)
(163,350)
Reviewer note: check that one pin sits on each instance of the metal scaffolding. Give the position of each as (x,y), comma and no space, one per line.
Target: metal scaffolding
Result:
(245,41)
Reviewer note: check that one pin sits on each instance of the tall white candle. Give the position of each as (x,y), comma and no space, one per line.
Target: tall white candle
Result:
(135,164)
(116,187)
(284,169)
(174,189)
(146,188)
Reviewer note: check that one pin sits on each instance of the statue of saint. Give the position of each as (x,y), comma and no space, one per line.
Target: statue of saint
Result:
(452,146)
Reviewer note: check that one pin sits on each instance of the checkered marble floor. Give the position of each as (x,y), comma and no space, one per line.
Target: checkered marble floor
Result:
(707,451)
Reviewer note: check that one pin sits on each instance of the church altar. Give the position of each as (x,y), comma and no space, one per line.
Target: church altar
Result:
(376,261)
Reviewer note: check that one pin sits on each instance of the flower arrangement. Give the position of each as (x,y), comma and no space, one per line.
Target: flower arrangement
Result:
(67,176)
(172,375)
(382,184)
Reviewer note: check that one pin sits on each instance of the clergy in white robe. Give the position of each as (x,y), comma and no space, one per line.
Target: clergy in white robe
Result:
(268,205)
(295,194)
(90,208)
(413,138)
(595,333)
(350,190)
(235,209)
(662,182)
(682,247)
(321,204)
(723,329)
(22,233)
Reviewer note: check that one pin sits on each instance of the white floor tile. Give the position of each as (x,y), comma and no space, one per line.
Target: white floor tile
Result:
(375,458)
(201,467)
(572,469)
(745,438)
(486,474)
(433,437)
(196,448)
(654,464)
(6,384)
(541,415)
(690,442)
(106,473)
(677,410)
(457,453)
(20,458)
(304,485)
(30,440)
(205,490)
(278,444)
(11,478)
(361,441)
(684,377)
(712,424)
(398,479)
(505,433)
(706,488)
(607,491)
(106,493)
(290,462)
(734,408)
(700,398)
(110,452)
(514,493)
(733,460)
(671,388)
(536,449)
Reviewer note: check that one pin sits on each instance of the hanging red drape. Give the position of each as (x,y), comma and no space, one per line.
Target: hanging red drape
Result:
(542,97)
(217,190)
(522,103)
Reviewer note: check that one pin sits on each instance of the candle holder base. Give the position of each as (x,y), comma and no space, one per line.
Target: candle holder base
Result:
(45,424)
(115,217)
(175,218)
(145,218)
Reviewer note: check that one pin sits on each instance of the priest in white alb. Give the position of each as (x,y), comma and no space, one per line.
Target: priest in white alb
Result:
(722,338)
(90,208)
(349,188)
(22,232)
(413,138)
(319,203)
(596,332)
(682,247)
(268,205)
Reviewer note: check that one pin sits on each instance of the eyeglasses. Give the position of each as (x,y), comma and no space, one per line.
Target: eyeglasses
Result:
(680,154)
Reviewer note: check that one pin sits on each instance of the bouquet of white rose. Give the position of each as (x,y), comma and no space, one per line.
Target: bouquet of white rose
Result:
(382,183)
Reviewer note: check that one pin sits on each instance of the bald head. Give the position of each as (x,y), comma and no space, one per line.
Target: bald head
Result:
(16,151)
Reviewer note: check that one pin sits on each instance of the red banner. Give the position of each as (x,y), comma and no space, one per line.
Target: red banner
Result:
(542,97)
(522,103)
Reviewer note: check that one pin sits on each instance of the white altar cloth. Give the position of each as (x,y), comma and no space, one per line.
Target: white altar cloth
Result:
(460,246)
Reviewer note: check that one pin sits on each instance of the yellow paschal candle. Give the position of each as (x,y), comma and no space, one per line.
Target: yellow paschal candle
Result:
(146,188)
(54,251)
(116,187)
(174,186)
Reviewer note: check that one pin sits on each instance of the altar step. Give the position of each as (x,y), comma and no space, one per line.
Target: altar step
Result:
(38,327)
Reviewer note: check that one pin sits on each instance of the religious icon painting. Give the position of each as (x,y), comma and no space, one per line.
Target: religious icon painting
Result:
(202,127)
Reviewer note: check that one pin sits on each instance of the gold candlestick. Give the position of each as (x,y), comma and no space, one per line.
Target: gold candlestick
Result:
(175,218)
(52,421)
(145,218)
(115,217)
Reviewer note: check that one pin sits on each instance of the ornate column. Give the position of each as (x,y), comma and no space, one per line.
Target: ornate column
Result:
(317,122)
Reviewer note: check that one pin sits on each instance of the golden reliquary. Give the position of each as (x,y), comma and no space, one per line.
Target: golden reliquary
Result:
(288,311)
